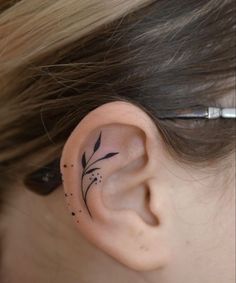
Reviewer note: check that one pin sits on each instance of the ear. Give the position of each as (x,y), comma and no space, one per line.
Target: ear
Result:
(110,166)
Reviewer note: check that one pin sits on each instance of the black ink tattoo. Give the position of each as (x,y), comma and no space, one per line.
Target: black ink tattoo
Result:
(89,170)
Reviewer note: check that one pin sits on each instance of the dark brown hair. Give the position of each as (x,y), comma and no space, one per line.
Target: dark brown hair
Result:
(164,56)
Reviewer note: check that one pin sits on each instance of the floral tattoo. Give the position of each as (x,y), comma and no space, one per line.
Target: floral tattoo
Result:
(91,171)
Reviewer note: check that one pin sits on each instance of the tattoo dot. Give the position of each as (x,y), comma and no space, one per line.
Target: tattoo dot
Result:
(66,195)
(72,213)
(65,165)
(71,194)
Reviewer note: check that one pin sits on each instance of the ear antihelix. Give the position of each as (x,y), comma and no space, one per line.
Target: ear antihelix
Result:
(91,176)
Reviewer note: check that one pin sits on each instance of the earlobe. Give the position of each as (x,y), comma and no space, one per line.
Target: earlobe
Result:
(109,172)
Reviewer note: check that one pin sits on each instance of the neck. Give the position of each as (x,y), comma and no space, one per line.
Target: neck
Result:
(42,245)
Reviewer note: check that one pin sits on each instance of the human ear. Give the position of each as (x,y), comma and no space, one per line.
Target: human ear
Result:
(110,176)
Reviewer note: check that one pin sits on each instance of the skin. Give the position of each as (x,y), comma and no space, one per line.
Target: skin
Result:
(195,208)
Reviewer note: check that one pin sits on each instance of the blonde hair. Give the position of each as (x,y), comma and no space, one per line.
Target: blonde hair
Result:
(61,59)
(30,32)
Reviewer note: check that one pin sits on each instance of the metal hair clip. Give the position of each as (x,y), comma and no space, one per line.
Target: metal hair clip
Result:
(200,112)
(45,180)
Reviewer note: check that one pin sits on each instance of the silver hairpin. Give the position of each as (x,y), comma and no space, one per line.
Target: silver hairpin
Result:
(199,112)
(214,112)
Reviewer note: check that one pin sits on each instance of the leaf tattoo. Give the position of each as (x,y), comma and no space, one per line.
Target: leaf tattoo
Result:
(87,170)
(109,155)
(91,170)
(98,143)
(84,160)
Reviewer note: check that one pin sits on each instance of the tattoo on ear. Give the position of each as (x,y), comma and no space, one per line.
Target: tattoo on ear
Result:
(91,171)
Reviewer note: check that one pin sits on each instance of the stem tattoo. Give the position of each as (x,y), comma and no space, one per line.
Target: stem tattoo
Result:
(92,172)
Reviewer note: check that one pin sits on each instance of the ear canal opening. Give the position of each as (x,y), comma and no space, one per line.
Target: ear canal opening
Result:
(150,218)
